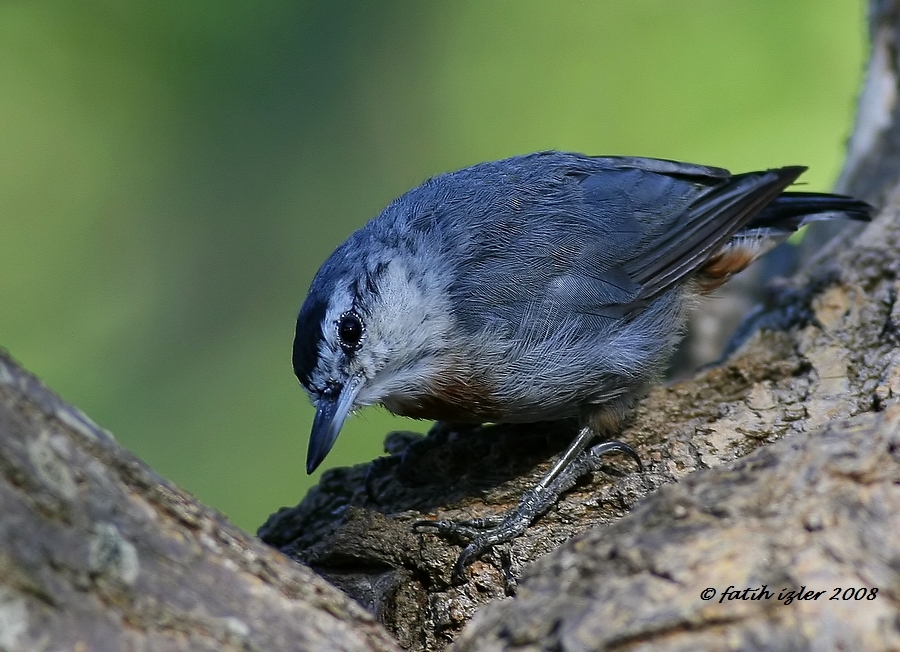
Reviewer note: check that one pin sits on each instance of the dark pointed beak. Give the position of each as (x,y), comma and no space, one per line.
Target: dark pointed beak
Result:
(331,412)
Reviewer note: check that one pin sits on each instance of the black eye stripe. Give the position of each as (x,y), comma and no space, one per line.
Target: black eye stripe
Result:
(350,331)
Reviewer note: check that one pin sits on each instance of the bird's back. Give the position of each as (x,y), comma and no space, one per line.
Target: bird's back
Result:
(566,273)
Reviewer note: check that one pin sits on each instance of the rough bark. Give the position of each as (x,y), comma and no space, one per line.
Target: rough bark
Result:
(97,552)
(781,468)
(793,547)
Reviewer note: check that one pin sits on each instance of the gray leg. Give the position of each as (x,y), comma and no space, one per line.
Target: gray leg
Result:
(486,533)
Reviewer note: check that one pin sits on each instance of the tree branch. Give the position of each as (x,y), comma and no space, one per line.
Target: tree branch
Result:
(97,552)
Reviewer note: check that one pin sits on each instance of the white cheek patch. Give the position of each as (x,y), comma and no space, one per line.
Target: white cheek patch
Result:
(405,333)
(404,345)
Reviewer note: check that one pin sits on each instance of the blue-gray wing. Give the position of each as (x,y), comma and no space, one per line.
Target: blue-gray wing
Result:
(551,237)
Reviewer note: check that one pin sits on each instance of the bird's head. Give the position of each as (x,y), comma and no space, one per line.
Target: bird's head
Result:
(372,330)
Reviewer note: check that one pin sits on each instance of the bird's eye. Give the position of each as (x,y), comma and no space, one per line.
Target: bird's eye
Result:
(350,331)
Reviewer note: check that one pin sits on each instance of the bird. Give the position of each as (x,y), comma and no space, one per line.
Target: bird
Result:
(536,288)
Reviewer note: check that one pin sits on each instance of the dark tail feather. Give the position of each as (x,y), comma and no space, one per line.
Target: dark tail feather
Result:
(709,223)
(791,210)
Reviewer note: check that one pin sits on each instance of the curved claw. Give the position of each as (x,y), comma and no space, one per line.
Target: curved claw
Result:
(515,523)
(613,445)
(469,554)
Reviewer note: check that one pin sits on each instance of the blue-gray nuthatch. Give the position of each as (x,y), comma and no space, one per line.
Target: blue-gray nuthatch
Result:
(535,288)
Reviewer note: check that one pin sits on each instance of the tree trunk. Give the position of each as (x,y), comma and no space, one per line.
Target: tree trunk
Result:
(774,475)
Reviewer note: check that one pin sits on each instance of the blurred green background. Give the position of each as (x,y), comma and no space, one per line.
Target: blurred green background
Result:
(173,174)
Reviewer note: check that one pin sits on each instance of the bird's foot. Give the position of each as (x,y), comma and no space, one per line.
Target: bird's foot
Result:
(484,533)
